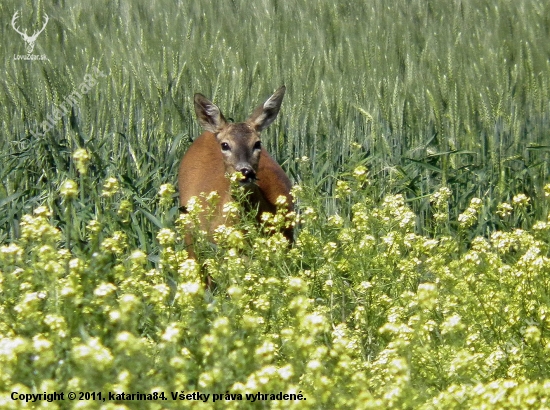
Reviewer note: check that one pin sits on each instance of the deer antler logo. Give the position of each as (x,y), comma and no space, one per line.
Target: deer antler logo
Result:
(30,40)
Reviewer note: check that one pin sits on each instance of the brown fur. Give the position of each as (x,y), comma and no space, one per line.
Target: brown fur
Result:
(203,168)
(208,175)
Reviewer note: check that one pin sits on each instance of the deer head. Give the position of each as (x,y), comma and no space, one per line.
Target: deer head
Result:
(30,40)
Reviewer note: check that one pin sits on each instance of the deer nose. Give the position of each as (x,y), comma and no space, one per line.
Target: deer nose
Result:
(248,174)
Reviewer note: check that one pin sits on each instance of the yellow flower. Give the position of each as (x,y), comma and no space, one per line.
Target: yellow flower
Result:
(166,237)
(43,212)
(104,289)
(165,193)
(110,188)
(69,189)
(521,200)
(81,159)
(427,295)
(115,244)
(343,189)
(504,209)
(360,173)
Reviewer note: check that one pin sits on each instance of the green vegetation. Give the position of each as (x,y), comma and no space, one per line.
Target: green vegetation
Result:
(417,135)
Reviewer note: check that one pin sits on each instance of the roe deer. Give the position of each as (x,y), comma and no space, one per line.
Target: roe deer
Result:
(226,148)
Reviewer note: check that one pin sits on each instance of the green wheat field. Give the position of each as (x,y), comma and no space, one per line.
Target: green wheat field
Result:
(417,137)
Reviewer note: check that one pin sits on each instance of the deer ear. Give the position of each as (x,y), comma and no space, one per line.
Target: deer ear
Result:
(266,113)
(209,115)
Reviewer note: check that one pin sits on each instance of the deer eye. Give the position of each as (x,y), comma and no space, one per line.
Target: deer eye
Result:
(225,146)
(258,145)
